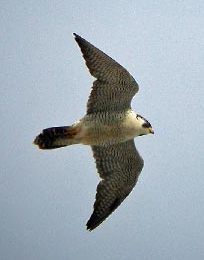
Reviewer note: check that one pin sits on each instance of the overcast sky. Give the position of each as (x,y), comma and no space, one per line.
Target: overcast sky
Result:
(46,197)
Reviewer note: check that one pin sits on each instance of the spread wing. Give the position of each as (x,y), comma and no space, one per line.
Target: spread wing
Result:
(114,88)
(119,166)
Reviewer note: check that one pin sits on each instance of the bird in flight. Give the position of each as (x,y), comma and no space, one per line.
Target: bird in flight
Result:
(109,127)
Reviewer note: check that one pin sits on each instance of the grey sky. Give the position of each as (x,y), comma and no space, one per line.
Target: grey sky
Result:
(46,197)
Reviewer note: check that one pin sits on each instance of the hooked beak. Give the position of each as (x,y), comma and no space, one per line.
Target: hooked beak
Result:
(151,130)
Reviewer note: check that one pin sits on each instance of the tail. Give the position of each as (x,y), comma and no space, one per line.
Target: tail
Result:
(56,137)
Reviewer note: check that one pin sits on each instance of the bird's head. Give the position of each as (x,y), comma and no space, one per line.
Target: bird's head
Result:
(146,127)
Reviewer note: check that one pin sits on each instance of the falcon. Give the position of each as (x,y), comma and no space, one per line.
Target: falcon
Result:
(109,127)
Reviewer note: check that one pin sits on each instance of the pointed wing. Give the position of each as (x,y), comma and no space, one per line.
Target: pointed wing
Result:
(114,88)
(119,166)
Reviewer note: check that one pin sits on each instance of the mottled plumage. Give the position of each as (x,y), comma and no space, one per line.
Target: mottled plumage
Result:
(114,88)
(119,166)
(109,127)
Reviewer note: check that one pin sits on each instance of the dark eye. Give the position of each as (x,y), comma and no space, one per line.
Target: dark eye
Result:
(146,125)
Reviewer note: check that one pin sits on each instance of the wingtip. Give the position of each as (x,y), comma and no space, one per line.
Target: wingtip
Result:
(92,223)
(76,36)
(90,227)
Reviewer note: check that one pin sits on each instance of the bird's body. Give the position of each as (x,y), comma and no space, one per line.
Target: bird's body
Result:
(109,127)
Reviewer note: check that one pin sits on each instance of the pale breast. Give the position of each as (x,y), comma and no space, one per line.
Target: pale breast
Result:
(107,128)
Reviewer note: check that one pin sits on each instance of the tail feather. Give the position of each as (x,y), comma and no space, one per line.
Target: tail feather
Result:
(56,137)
